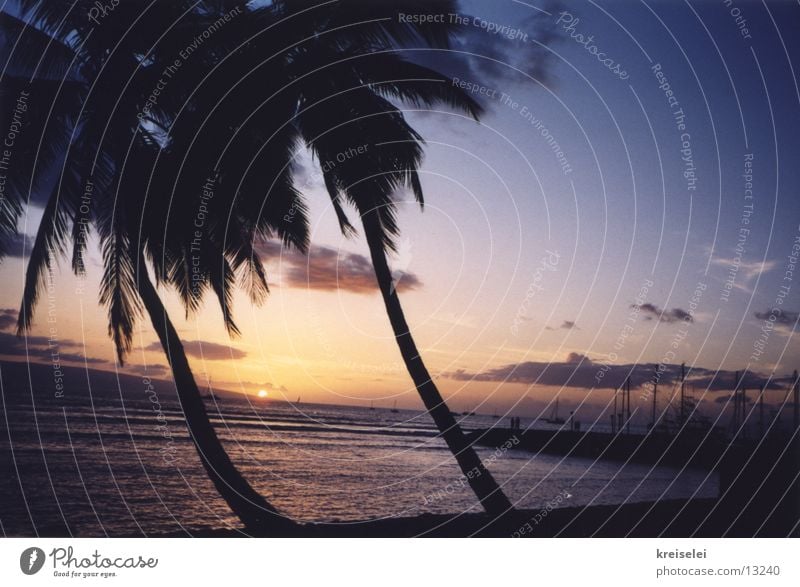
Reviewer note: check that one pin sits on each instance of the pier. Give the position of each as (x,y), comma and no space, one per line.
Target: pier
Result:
(694,448)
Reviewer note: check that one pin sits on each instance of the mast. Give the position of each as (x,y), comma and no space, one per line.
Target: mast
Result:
(736,402)
(796,419)
(745,412)
(628,415)
(655,392)
(683,393)
(614,417)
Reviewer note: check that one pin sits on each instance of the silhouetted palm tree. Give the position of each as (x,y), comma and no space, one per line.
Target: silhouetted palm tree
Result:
(345,77)
(88,87)
(328,72)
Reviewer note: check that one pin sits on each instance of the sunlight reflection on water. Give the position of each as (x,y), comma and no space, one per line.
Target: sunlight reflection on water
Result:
(326,464)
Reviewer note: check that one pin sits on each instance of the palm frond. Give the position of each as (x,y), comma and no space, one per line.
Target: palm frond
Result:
(10,210)
(392,76)
(347,229)
(34,53)
(223,281)
(246,260)
(50,240)
(119,292)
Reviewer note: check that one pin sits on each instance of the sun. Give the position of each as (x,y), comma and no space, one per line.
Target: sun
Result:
(262,393)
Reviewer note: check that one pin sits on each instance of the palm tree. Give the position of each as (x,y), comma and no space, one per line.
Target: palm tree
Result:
(327,72)
(345,81)
(94,139)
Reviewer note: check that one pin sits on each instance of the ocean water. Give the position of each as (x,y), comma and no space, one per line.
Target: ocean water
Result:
(109,465)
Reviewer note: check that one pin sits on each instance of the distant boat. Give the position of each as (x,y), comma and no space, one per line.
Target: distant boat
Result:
(554,419)
(394,410)
(371,405)
(297,403)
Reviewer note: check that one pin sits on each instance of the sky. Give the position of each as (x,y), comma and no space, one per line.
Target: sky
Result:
(584,225)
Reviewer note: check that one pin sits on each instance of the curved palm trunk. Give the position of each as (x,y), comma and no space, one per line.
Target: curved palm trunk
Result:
(480,479)
(251,508)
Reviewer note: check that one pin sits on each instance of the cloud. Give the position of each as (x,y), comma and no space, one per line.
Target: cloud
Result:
(782,317)
(10,344)
(19,245)
(580,371)
(8,318)
(748,271)
(35,346)
(565,325)
(784,322)
(267,386)
(496,60)
(500,57)
(150,369)
(77,358)
(327,269)
(306,175)
(668,316)
(254,386)
(210,351)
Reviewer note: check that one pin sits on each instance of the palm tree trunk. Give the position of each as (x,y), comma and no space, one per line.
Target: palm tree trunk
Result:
(251,508)
(480,479)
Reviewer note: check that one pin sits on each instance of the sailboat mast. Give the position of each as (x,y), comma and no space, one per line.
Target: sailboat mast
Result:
(683,392)
(614,417)
(655,393)
(628,402)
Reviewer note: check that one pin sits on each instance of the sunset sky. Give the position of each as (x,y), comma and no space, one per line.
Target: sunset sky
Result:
(522,258)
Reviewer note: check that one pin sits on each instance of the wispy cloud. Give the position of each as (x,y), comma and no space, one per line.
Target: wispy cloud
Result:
(651,311)
(462,320)
(252,385)
(745,272)
(210,351)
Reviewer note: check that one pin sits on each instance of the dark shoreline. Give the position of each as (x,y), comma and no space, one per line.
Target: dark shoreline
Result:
(669,519)
(680,518)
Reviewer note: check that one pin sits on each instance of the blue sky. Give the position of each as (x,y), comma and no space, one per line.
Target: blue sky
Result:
(498,204)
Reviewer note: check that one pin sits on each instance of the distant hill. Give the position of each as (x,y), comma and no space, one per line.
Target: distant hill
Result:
(24,383)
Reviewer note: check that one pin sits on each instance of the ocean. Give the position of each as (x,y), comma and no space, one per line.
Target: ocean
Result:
(106,465)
